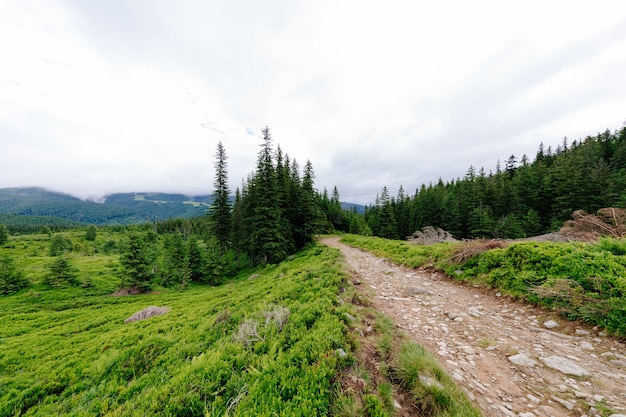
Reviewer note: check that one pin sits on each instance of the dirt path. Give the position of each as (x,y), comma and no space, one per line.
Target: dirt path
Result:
(499,350)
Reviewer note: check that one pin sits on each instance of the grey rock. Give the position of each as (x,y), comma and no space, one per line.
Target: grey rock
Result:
(146,313)
(565,366)
(341,353)
(551,324)
(581,332)
(567,404)
(586,346)
(618,363)
(522,360)
(617,415)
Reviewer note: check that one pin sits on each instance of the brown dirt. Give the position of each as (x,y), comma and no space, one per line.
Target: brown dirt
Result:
(474,331)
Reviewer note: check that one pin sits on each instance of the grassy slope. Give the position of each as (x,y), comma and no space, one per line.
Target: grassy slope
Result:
(69,352)
(219,351)
(581,281)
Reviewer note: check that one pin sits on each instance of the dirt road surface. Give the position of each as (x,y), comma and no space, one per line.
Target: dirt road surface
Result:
(505,354)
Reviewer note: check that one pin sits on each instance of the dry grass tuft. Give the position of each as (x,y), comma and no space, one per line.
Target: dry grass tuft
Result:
(587,227)
(474,247)
(147,312)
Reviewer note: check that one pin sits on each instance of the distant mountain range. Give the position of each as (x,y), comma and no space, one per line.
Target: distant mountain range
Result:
(114,209)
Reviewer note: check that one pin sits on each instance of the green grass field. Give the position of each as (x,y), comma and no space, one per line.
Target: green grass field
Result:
(220,350)
(275,341)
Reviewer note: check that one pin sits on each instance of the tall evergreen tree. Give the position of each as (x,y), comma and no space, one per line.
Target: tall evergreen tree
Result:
(11,278)
(4,235)
(221,206)
(308,208)
(175,269)
(268,242)
(137,262)
(387,227)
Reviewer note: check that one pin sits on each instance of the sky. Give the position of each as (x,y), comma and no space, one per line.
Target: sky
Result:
(99,97)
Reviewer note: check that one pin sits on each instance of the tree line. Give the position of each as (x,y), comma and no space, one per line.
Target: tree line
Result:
(523,198)
(276,212)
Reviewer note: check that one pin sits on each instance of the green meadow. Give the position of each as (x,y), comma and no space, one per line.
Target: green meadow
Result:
(278,340)
(264,343)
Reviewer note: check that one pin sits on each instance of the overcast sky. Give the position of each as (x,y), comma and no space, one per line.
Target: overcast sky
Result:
(111,96)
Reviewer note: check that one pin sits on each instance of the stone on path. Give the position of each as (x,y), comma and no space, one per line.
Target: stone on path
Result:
(551,324)
(586,345)
(618,363)
(565,366)
(522,360)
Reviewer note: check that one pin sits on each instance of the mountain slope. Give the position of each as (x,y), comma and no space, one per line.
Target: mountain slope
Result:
(127,208)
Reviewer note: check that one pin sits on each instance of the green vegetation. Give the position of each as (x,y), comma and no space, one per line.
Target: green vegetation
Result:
(260,346)
(61,273)
(11,279)
(433,391)
(585,281)
(388,366)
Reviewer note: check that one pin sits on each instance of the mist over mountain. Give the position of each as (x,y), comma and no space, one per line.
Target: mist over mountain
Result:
(112,209)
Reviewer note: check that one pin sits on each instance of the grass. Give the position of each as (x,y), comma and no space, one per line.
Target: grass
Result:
(585,281)
(388,366)
(281,340)
(69,352)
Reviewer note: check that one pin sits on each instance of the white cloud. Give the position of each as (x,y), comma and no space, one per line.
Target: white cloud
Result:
(134,95)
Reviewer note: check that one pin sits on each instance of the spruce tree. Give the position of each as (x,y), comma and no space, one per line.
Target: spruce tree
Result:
(11,279)
(308,213)
(175,268)
(61,273)
(4,235)
(267,241)
(221,207)
(387,226)
(137,262)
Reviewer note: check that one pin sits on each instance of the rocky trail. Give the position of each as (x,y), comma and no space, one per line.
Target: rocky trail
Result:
(512,359)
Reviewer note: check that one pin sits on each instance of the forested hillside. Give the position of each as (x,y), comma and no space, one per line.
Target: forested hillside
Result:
(27,209)
(522,198)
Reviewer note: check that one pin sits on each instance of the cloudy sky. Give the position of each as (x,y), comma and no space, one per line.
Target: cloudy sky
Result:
(114,96)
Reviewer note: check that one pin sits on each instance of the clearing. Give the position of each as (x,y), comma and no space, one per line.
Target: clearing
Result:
(498,349)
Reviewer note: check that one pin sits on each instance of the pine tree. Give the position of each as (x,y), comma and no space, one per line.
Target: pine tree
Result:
(308,208)
(175,268)
(4,235)
(91,233)
(11,279)
(61,273)
(221,206)
(267,241)
(387,227)
(137,262)
(196,260)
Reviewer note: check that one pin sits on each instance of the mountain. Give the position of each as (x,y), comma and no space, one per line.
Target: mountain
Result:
(44,206)
(116,209)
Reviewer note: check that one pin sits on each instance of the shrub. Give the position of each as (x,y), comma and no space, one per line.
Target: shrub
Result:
(59,245)
(61,273)
(11,279)
(4,235)
(90,234)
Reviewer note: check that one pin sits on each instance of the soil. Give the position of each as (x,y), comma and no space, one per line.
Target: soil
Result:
(498,349)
